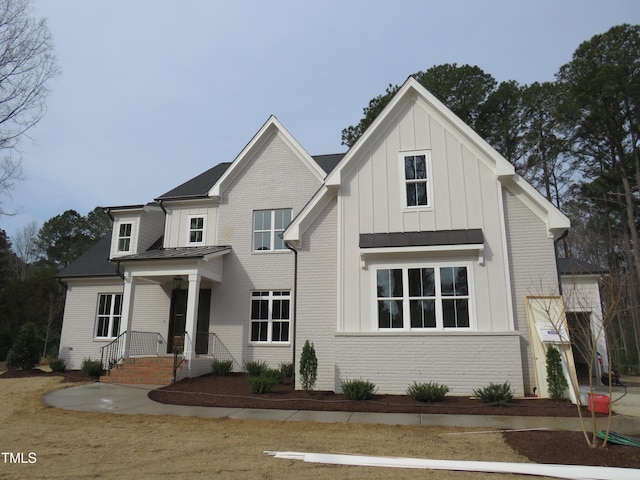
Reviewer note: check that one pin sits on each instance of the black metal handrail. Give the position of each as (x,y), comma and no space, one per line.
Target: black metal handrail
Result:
(112,352)
(218,350)
(140,344)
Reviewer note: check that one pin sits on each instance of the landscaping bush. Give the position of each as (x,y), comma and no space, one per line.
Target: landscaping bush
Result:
(556,381)
(262,384)
(222,367)
(255,369)
(428,392)
(495,394)
(358,389)
(91,368)
(57,364)
(25,352)
(308,366)
(287,369)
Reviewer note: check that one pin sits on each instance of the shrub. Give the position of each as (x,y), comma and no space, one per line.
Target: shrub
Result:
(262,384)
(25,352)
(91,368)
(428,392)
(287,369)
(495,394)
(222,367)
(274,373)
(358,389)
(308,366)
(255,369)
(556,381)
(57,364)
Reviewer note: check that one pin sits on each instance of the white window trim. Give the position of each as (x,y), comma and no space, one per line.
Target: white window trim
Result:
(204,229)
(272,231)
(405,298)
(271,320)
(130,237)
(429,180)
(110,316)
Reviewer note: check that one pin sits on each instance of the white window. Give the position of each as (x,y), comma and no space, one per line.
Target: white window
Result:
(270,314)
(417,184)
(109,315)
(412,298)
(124,237)
(197,225)
(268,226)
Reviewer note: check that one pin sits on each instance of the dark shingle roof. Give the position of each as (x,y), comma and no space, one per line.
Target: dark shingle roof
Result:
(572,266)
(198,186)
(93,263)
(328,162)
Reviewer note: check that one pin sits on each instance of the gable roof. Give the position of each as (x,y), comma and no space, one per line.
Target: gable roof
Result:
(413,91)
(93,263)
(198,186)
(573,266)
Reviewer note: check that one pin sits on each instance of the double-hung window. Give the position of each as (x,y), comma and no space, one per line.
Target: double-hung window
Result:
(416,179)
(109,315)
(196,230)
(423,298)
(268,226)
(124,237)
(270,314)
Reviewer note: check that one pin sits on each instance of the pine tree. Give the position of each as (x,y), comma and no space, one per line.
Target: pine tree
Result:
(308,366)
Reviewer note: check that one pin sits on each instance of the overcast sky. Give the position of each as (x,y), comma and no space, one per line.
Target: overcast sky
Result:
(154,92)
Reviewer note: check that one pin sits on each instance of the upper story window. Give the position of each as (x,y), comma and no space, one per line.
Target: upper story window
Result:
(268,226)
(416,179)
(196,229)
(109,315)
(423,298)
(124,237)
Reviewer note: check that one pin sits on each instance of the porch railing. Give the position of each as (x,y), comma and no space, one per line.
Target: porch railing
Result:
(140,344)
(210,344)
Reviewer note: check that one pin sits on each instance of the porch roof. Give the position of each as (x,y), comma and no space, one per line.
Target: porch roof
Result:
(178,253)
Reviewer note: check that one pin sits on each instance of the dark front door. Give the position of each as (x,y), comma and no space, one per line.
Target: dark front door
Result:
(178,324)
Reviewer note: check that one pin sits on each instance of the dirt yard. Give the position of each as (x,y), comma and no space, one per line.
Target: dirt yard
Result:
(62,444)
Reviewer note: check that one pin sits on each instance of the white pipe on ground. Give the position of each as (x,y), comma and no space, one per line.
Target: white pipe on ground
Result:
(570,472)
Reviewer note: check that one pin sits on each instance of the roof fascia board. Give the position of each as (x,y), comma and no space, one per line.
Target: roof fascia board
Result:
(307,216)
(272,125)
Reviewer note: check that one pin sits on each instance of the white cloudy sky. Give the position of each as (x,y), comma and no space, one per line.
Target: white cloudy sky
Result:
(153,92)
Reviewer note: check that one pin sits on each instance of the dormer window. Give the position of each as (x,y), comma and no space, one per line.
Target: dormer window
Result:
(124,237)
(196,230)
(416,179)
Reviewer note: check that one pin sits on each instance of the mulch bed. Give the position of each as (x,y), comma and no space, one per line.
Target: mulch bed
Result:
(550,447)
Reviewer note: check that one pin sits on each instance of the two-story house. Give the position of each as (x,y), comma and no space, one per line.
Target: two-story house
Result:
(409,258)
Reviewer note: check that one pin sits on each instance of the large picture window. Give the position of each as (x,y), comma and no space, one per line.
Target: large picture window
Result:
(416,179)
(270,316)
(268,226)
(109,315)
(423,298)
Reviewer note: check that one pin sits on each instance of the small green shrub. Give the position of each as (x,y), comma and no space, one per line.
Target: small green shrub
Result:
(222,367)
(57,364)
(358,389)
(308,366)
(287,369)
(556,381)
(262,384)
(91,368)
(25,351)
(428,392)
(255,368)
(495,394)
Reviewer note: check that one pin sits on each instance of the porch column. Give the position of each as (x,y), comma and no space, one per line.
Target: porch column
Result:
(127,311)
(193,297)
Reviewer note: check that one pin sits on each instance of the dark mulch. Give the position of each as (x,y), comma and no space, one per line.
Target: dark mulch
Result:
(538,446)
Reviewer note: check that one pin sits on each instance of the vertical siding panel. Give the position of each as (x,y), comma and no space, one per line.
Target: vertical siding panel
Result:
(362,189)
(475,215)
(406,130)
(423,138)
(457,193)
(441,179)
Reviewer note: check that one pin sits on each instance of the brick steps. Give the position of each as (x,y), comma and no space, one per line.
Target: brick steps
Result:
(142,370)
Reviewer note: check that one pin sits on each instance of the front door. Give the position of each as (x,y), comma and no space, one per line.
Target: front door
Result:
(178,321)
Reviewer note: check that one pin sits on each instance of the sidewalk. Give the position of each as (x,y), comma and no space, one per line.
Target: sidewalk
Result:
(133,399)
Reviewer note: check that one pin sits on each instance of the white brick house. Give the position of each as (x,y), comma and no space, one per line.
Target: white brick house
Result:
(406,259)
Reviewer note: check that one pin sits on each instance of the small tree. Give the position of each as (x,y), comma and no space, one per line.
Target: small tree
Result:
(25,352)
(308,366)
(556,381)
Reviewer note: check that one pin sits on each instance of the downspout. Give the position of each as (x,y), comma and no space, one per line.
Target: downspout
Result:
(295,308)
(555,252)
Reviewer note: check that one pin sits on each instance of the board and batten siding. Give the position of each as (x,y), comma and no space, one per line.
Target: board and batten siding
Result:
(77,340)
(533,270)
(273,178)
(465,195)
(176,232)
(317,296)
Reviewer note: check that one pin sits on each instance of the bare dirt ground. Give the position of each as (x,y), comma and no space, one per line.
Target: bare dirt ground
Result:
(70,444)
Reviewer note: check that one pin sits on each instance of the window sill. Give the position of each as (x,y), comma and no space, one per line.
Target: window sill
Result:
(269,344)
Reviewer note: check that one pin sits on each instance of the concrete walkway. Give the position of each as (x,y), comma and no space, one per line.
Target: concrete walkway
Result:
(133,399)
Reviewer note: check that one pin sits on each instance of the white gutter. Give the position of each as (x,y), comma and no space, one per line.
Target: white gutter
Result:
(571,472)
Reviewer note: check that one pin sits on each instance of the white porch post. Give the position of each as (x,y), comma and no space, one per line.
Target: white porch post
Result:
(127,311)
(193,297)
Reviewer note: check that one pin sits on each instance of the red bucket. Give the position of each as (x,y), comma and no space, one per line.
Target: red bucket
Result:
(599,403)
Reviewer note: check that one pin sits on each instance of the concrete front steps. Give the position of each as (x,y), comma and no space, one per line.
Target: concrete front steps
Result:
(143,371)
